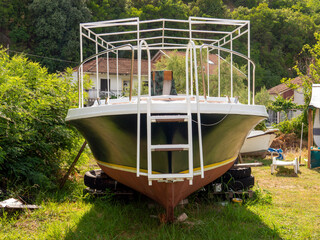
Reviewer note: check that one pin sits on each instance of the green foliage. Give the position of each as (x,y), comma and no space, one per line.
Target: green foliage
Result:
(263,97)
(176,63)
(239,86)
(102,10)
(293,126)
(281,104)
(279,28)
(278,36)
(150,9)
(209,8)
(261,196)
(55,30)
(34,137)
(312,73)
(14,23)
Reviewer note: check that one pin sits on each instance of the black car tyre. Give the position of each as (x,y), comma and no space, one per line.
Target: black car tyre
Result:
(96,179)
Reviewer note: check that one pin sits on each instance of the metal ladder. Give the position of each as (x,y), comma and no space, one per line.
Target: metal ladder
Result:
(169,147)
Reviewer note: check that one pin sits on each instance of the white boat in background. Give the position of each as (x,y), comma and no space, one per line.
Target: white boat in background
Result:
(258,142)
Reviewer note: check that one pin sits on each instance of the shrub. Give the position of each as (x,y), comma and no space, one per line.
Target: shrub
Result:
(34,137)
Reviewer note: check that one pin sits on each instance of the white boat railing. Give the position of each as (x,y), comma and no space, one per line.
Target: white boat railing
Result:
(192,49)
(170,34)
(238,54)
(81,74)
(192,35)
(142,43)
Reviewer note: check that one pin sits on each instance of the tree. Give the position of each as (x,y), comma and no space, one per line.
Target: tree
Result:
(176,63)
(35,140)
(209,8)
(14,23)
(278,36)
(149,9)
(55,30)
(281,104)
(262,97)
(311,73)
(102,10)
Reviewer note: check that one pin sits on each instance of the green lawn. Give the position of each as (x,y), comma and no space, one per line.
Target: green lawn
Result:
(285,207)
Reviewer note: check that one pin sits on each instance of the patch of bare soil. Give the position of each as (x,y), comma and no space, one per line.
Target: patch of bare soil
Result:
(289,141)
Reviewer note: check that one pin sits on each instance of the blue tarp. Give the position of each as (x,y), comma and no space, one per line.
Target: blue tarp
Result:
(277,151)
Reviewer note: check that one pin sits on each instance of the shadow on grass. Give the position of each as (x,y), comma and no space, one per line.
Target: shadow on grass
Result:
(132,220)
(316,169)
(282,171)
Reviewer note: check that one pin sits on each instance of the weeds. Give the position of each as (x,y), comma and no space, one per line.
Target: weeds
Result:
(260,196)
(282,208)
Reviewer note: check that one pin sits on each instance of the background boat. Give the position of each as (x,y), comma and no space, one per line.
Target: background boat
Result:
(258,142)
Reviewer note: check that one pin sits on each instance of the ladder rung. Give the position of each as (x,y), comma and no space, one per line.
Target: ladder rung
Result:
(169,118)
(170,147)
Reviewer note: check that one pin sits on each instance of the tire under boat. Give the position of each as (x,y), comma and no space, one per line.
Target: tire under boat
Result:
(111,131)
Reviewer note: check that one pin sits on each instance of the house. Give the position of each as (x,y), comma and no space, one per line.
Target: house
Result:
(283,90)
(117,79)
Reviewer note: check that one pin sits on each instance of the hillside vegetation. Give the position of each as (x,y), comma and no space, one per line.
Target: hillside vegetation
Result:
(279,28)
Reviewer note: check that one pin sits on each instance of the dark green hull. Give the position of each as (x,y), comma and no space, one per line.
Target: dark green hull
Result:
(113,140)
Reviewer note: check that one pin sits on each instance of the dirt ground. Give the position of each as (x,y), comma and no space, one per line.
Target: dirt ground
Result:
(288,142)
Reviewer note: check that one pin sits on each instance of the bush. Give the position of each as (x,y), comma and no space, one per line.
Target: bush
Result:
(294,125)
(34,137)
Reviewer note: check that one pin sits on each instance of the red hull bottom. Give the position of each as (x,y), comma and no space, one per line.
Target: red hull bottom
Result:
(166,194)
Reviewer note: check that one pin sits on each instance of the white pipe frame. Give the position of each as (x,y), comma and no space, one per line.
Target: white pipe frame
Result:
(97,71)
(192,48)
(80,80)
(142,42)
(159,43)
(240,55)
(241,27)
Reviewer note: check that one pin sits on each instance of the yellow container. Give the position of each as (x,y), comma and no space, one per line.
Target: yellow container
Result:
(237,200)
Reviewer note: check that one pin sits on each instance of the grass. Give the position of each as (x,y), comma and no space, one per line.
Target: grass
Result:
(286,206)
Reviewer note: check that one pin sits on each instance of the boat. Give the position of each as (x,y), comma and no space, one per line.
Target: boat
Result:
(258,142)
(166,143)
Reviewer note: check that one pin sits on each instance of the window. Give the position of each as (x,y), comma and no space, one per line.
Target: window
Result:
(126,84)
(104,84)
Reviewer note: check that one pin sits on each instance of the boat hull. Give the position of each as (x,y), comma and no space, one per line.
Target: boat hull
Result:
(166,194)
(113,141)
(112,137)
(257,145)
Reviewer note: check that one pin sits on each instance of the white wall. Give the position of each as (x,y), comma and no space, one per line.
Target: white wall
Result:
(298,96)
(115,84)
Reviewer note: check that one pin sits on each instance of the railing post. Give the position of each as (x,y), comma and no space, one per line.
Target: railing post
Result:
(219,70)
(231,65)
(249,67)
(142,42)
(249,62)
(97,71)
(202,75)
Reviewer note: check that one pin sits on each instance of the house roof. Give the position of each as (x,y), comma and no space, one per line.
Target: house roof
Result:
(124,66)
(281,88)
